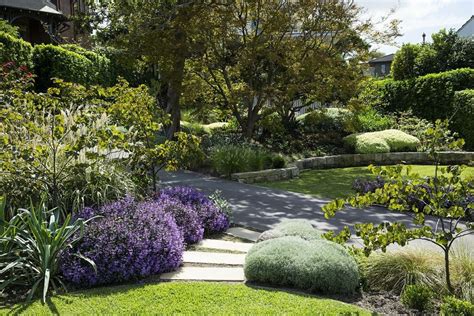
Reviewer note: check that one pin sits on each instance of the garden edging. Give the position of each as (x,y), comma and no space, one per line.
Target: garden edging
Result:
(351,160)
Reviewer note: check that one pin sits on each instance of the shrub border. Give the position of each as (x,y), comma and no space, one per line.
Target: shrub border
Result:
(353,160)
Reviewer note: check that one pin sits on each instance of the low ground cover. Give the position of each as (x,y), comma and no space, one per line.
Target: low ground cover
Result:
(187,298)
(337,182)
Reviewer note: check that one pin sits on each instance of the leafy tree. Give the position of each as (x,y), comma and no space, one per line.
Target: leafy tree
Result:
(160,33)
(262,55)
(447,52)
(445,197)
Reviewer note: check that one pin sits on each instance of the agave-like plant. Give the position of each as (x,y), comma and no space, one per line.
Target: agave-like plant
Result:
(31,244)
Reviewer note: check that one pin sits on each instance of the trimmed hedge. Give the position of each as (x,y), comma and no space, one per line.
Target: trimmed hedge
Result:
(463,121)
(295,227)
(318,266)
(15,49)
(52,61)
(390,140)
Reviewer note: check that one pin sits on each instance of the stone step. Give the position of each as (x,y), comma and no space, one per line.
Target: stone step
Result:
(243,233)
(224,245)
(205,274)
(213,258)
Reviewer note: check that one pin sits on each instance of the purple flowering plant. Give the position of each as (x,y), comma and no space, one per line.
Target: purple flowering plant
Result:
(130,240)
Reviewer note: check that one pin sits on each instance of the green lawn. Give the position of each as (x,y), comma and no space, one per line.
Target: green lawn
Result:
(337,183)
(187,298)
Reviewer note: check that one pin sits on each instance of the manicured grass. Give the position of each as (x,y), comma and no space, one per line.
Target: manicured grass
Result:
(187,298)
(337,183)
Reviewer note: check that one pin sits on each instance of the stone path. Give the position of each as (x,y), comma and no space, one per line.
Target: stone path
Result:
(211,265)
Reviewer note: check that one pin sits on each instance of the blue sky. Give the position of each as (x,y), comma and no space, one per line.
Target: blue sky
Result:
(420,16)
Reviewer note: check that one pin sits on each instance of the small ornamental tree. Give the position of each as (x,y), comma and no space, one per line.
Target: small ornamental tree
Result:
(445,196)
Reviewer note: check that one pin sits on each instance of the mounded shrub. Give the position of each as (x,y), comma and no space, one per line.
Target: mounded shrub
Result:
(15,49)
(318,266)
(186,216)
(328,119)
(463,120)
(417,296)
(295,227)
(455,307)
(52,61)
(382,142)
(213,218)
(130,240)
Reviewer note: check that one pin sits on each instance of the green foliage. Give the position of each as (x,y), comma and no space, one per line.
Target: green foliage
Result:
(318,265)
(447,52)
(31,246)
(455,307)
(101,65)
(52,61)
(431,96)
(369,120)
(418,297)
(382,142)
(15,49)
(441,196)
(463,120)
(322,120)
(295,227)
(278,162)
(228,159)
(9,29)
(403,65)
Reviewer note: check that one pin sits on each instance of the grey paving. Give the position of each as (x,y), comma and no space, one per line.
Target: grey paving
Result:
(243,233)
(262,208)
(214,258)
(224,245)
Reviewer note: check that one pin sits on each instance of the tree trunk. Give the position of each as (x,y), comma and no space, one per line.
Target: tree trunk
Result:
(447,270)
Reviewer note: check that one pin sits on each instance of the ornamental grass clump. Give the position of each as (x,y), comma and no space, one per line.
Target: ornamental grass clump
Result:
(214,219)
(130,240)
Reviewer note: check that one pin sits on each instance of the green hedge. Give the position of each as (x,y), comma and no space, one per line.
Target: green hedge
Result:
(319,265)
(71,63)
(390,140)
(463,120)
(102,66)
(429,96)
(15,49)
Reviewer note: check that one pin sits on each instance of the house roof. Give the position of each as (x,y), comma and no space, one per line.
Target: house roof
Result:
(465,24)
(42,6)
(383,59)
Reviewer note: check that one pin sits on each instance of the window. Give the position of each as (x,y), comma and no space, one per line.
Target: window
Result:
(384,69)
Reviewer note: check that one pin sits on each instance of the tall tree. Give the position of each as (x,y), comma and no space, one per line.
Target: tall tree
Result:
(263,55)
(161,33)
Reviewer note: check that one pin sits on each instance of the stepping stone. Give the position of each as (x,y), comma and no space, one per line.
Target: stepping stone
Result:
(244,233)
(205,274)
(225,245)
(213,258)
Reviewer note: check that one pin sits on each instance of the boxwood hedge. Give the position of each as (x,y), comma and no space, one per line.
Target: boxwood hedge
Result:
(15,49)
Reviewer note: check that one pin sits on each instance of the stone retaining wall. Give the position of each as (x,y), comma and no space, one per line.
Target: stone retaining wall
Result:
(343,161)
(267,175)
(355,160)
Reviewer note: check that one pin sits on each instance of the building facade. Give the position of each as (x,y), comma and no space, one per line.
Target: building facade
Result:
(43,21)
(380,67)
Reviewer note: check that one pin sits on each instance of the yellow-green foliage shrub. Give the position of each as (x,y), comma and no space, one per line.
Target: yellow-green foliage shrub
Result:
(390,140)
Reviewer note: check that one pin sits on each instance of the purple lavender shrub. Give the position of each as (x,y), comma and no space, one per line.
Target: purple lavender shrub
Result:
(213,218)
(187,218)
(131,240)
